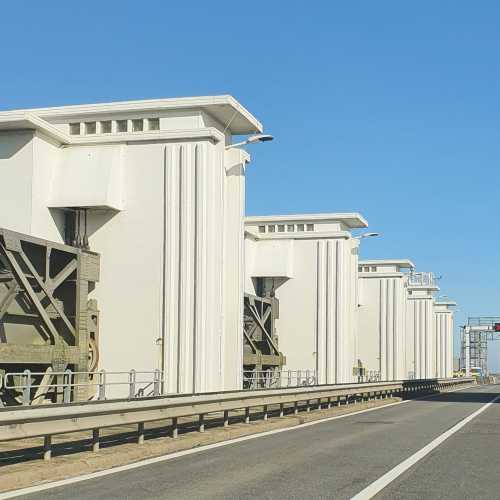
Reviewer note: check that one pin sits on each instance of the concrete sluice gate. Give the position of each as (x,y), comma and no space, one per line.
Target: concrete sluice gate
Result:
(190,291)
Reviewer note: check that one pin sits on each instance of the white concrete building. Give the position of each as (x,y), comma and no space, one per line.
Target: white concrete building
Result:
(152,187)
(420,332)
(381,318)
(443,327)
(310,263)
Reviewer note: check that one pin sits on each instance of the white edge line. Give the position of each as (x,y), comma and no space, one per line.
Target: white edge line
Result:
(171,456)
(383,481)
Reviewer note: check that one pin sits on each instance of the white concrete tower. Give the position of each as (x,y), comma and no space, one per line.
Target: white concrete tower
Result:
(382,317)
(161,199)
(312,262)
(443,325)
(420,333)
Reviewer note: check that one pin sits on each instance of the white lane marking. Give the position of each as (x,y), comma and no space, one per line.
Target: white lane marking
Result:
(171,456)
(383,481)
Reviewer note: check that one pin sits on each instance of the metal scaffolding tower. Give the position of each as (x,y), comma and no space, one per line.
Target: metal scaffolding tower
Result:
(474,338)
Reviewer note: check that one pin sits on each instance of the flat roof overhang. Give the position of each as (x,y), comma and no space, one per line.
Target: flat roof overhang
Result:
(351,219)
(402,263)
(225,108)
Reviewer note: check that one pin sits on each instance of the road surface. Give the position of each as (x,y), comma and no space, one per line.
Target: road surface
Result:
(334,459)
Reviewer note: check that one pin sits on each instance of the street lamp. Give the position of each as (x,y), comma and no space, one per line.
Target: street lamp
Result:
(439,297)
(366,235)
(251,140)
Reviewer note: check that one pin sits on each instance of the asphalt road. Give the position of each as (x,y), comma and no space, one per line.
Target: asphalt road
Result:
(335,459)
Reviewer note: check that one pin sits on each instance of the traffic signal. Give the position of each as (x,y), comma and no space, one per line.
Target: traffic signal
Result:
(496,327)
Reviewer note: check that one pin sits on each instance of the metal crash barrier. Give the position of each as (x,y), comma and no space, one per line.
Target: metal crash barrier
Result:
(47,421)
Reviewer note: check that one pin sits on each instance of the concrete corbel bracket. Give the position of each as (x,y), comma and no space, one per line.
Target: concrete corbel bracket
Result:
(235,158)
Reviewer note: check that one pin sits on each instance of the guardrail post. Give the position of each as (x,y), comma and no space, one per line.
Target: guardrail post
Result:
(319,403)
(175,428)
(140,433)
(247,415)
(95,440)
(281,409)
(226,418)
(47,447)
(265,412)
(102,385)
(27,388)
(201,423)
(156,382)
(329,404)
(296,408)
(67,386)
(308,407)
(131,382)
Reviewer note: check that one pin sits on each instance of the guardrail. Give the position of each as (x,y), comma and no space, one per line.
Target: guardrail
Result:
(47,421)
(34,387)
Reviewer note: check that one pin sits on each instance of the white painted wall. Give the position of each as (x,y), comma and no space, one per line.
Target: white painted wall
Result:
(443,325)
(316,289)
(420,333)
(166,215)
(16,174)
(382,319)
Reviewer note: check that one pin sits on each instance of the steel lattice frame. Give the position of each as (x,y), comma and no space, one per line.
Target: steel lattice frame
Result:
(46,318)
(474,338)
(261,351)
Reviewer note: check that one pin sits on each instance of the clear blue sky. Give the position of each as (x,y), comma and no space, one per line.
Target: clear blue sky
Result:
(388,108)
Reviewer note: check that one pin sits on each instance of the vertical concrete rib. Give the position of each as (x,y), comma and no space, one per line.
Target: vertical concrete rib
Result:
(390,329)
(172,272)
(416,333)
(200,349)
(331,306)
(395,330)
(437,332)
(339,343)
(383,329)
(321,336)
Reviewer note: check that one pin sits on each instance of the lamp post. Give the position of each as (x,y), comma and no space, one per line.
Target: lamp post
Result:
(366,235)
(251,140)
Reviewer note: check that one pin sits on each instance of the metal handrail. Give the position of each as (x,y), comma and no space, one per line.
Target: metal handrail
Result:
(72,380)
(282,378)
(421,279)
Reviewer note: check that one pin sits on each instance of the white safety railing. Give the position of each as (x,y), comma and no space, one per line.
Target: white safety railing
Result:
(372,376)
(33,387)
(268,379)
(421,279)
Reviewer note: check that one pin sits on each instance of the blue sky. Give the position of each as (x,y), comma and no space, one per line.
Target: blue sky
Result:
(388,108)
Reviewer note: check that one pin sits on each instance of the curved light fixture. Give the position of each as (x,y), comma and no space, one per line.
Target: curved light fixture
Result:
(366,235)
(252,140)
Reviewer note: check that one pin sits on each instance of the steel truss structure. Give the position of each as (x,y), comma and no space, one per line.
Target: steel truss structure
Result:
(261,354)
(474,338)
(47,322)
